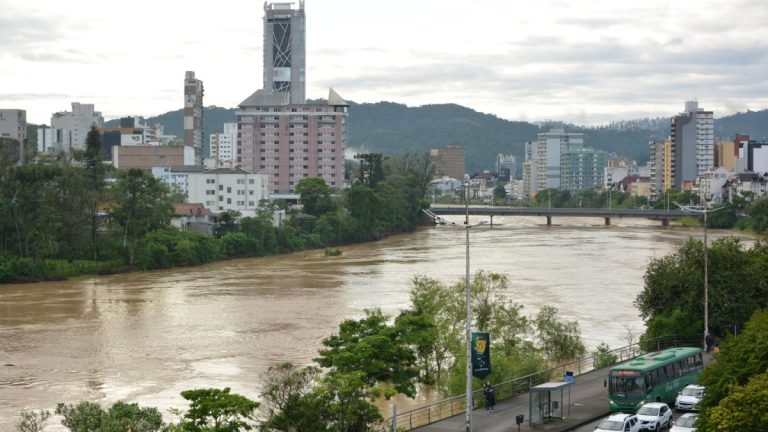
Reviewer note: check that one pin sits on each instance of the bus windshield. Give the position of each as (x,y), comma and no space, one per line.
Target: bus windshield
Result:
(626,384)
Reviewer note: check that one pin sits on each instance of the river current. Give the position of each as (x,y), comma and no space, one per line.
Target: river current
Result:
(145,337)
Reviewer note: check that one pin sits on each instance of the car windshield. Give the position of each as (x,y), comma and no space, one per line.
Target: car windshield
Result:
(611,425)
(649,411)
(686,421)
(689,391)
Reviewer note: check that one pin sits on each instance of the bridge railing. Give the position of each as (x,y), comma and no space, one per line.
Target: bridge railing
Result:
(452,406)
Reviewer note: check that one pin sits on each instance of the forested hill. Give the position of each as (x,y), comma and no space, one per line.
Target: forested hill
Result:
(393,129)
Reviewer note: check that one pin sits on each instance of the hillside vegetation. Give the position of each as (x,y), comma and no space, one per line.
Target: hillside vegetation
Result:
(392,129)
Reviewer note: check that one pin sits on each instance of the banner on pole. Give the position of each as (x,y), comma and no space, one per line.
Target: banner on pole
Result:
(481,355)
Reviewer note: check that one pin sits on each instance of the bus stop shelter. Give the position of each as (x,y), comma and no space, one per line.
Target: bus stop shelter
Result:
(549,401)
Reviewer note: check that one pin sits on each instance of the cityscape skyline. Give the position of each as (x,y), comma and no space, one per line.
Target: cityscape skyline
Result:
(586,63)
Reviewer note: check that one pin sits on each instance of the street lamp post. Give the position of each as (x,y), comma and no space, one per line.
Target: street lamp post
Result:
(470,403)
(705,210)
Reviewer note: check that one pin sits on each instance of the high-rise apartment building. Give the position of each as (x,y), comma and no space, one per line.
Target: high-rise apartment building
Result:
(13,126)
(693,144)
(661,167)
(582,168)
(449,161)
(285,50)
(546,153)
(291,142)
(279,132)
(70,129)
(193,115)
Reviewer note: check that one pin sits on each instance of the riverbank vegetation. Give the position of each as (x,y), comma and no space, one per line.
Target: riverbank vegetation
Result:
(66,217)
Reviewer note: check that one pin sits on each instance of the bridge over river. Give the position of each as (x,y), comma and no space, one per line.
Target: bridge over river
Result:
(607,214)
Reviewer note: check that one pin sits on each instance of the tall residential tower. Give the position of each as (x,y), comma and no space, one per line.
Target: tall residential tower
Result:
(193,115)
(279,132)
(693,144)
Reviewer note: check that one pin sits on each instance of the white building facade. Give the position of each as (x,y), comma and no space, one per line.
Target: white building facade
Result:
(70,128)
(224,189)
(223,147)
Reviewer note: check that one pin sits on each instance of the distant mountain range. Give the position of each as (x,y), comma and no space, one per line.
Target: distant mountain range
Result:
(393,129)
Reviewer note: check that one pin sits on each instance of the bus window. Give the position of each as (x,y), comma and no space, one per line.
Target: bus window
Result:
(627,385)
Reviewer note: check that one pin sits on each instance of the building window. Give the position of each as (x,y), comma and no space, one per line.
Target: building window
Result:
(250,203)
(229,200)
(229,189)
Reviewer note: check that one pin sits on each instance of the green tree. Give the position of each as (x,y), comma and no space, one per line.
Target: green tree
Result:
(372,347)
(32,421)
(744,409)
(93,161)
(370,169)
(217,410)
(499,194)
(142,205)
(121,417)
(347,400)
(83,417)
(315,195)
(559,340)
(603,357)
(290,400)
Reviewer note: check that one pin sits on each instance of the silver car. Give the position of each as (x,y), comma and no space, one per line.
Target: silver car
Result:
(685,423)
(654,416)
(689,398)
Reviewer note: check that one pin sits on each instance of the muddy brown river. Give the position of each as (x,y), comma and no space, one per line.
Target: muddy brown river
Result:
(145,337)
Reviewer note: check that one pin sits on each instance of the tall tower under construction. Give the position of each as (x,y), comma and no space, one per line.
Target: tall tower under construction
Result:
(285,53)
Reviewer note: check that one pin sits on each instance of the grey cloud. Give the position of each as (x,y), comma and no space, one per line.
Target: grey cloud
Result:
(34,96)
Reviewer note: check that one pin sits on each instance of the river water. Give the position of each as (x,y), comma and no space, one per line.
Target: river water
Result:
(145,337)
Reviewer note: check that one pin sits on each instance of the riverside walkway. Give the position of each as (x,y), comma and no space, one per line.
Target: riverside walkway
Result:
(588,402)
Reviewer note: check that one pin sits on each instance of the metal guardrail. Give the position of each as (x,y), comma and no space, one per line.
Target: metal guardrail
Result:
(456,405)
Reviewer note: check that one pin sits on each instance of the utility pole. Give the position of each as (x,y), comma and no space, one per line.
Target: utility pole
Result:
(704,209)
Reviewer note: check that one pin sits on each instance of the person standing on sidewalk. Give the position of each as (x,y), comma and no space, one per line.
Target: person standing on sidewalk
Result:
(490,398)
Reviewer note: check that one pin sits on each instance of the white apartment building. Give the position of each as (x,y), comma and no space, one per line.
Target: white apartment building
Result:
(712,182)
(223,189)
(222,147)
(70,129)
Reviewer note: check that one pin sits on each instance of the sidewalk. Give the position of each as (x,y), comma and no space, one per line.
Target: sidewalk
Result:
(589,401)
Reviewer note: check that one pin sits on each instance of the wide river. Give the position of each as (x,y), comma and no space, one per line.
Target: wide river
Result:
(145,337)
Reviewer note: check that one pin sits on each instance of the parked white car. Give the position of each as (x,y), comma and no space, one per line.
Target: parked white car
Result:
(685,423)
(689,398)
(619,422)
(654,416)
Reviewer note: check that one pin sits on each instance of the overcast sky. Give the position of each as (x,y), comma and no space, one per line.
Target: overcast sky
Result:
(582,61)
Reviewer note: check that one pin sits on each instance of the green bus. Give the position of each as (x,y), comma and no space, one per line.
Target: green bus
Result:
(653,377)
